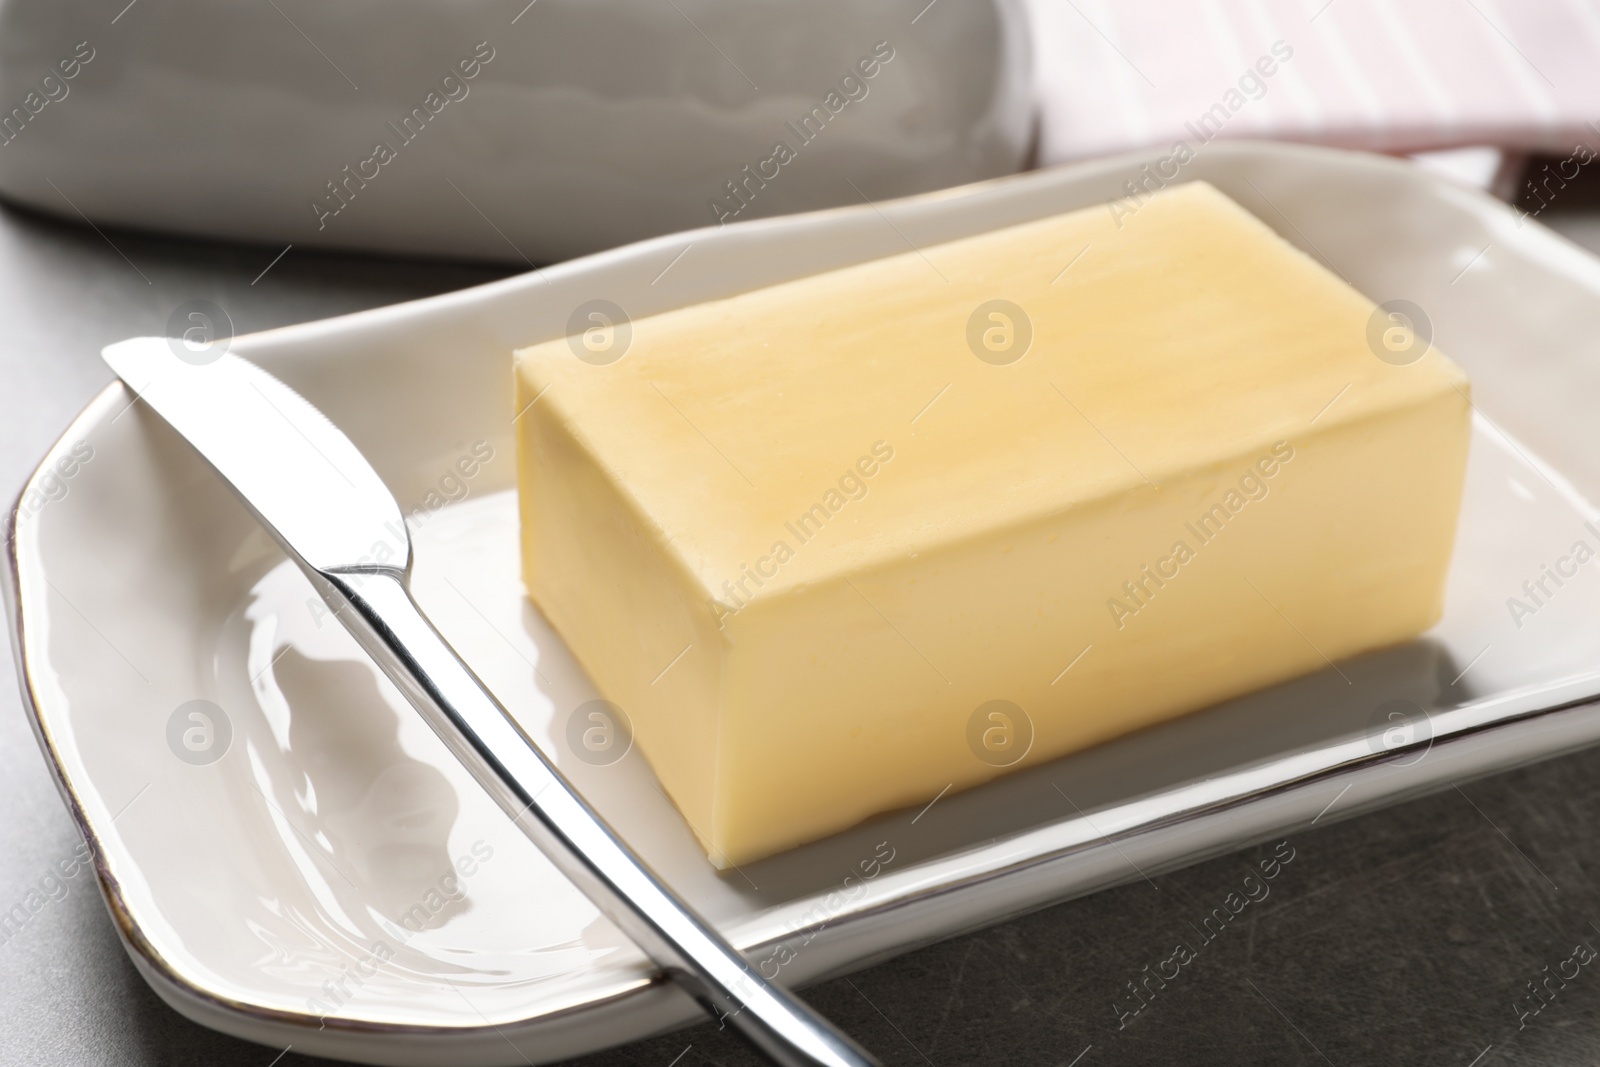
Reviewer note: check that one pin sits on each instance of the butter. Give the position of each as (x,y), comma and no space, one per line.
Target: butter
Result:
(839,544)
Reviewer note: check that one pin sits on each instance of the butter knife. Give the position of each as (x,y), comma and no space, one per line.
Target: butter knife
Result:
(312,489)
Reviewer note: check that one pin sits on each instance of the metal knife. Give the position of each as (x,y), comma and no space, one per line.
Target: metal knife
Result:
(319,497)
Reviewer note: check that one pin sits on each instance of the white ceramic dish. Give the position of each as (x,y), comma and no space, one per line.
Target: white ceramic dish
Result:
(510,130)
(265,893)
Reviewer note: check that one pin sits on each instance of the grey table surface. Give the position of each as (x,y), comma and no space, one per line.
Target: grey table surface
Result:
(1403,937)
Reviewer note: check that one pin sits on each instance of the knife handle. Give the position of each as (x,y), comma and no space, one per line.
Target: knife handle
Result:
(378,609)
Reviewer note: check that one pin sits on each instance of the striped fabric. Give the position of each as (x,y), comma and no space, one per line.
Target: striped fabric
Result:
(1387,75)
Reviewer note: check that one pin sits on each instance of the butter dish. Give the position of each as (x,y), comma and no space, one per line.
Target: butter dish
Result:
(290,856)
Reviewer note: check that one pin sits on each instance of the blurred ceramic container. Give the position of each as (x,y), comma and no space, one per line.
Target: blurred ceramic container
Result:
(498,128)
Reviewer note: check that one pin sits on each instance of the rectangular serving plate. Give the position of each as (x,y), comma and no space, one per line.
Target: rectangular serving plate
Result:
(334,880)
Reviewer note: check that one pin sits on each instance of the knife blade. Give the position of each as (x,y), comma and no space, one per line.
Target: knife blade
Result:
(314,491)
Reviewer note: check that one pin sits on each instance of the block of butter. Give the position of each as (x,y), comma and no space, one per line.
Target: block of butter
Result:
(840,544)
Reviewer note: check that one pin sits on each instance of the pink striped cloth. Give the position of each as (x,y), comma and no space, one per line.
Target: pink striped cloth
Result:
(1387,75)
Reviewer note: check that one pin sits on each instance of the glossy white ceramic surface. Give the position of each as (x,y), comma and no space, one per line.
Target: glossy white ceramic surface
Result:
(267,893)
(574,125)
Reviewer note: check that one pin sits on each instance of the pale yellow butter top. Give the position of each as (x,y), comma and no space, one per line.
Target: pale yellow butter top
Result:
(1186,336)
